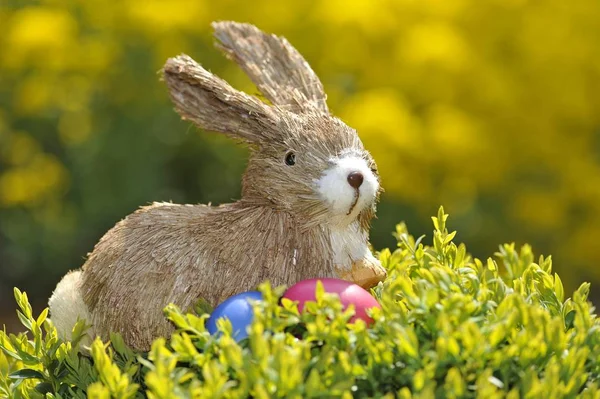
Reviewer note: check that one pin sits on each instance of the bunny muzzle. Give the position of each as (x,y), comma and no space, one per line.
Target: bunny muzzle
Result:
(348,187)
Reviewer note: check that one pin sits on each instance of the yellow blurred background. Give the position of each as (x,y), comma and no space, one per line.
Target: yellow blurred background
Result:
(491,109)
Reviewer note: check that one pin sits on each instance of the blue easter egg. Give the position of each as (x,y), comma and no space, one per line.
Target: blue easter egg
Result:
(238,310)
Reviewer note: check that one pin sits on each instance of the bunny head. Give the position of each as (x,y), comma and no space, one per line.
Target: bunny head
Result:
(303,160)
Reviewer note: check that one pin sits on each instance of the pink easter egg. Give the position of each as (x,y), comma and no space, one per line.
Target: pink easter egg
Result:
(348,292)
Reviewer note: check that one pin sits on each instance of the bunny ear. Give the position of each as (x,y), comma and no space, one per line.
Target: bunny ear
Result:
(274,65)
(212,104)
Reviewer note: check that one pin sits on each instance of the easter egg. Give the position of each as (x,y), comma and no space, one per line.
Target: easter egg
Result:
(238,309)
(349,294)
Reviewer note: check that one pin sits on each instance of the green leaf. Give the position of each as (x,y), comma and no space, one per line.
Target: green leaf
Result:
(26,373)
(118,344)
(449,237)
(202,306)
(42,317)
(24,320)
(570,320)
(558,288)
(27,358)
(319,292)
(23,303)
(44,388)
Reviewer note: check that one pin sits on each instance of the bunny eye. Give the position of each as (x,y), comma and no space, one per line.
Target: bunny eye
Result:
(290,158)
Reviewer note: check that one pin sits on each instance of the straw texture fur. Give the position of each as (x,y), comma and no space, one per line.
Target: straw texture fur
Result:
(284,229)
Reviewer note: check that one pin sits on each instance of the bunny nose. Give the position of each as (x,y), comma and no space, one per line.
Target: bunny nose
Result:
(355,179)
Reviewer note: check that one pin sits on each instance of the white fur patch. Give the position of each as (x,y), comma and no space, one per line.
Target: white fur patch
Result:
(335,190)
(66,306)
(349,244)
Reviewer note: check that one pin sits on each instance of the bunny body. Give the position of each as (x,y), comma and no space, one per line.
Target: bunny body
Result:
(308,197)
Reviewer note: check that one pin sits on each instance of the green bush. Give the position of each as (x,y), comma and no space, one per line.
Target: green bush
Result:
(449,326)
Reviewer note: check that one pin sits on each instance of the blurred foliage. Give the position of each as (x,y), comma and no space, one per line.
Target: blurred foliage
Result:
(450,326)
(490,108)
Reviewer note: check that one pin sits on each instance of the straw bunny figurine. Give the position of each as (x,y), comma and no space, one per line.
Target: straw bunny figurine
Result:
(308,196)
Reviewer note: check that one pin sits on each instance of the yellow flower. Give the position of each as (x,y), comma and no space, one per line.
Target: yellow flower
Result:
(434,44)
(39,35)
(44,176)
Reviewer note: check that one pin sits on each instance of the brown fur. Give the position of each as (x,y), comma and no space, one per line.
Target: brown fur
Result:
(186,252)
(280,229)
